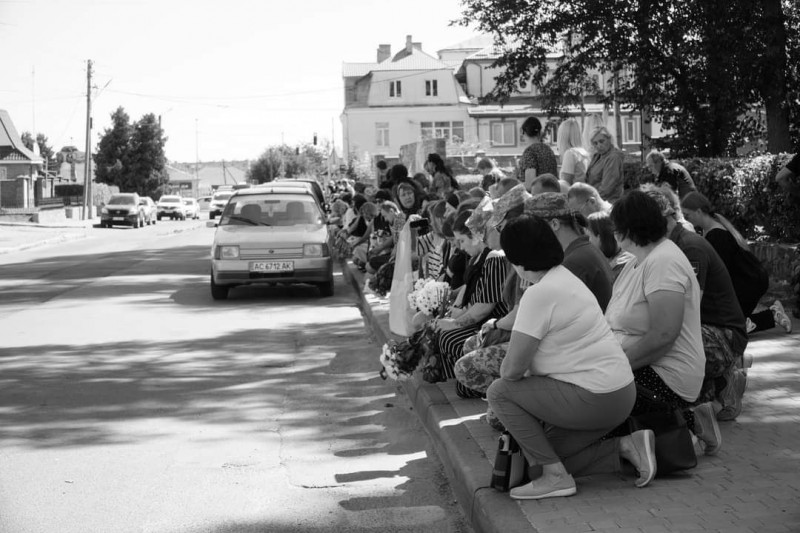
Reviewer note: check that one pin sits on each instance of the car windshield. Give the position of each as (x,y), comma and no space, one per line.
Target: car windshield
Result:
(170,199)
(272,210)
(122,200)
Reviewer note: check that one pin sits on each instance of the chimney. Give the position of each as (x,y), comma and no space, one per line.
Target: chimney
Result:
(418,46)
(409,44)
(384,52)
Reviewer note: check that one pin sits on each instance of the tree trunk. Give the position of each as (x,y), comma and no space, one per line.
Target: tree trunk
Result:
(773,88)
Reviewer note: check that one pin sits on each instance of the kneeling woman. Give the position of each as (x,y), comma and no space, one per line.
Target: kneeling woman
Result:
(565,382)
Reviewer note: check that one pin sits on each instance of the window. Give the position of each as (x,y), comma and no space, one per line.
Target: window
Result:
(395,89)
(503,133)
(382,134)
(453,131)
(431,87)
(630,130)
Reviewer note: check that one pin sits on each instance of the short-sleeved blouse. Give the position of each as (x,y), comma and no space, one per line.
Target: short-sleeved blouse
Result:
(538,156)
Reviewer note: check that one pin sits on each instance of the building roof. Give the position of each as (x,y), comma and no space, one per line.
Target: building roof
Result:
(473,43)
(357,69)
(416,60)
(11,147)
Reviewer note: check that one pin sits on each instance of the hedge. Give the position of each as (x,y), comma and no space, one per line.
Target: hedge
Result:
(744,191)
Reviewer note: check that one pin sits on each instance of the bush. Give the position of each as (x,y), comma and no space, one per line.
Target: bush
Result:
(744,191)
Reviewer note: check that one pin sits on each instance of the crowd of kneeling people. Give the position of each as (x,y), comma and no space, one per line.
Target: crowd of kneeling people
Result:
(566,304)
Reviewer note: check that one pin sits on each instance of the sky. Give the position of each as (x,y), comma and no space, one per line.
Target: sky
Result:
(228,78)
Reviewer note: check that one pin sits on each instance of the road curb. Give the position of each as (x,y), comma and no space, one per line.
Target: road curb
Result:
(465,463)
(43,242)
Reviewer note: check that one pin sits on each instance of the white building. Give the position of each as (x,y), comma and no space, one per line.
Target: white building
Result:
(413,95)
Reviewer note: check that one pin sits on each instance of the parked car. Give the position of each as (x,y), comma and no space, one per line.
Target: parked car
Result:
(218,202)
(149,209)
(122,209)
(190,208)
(171,205)
(204,202)
(270,235)
(312,184)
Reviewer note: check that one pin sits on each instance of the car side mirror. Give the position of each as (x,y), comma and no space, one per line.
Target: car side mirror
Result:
(211,223)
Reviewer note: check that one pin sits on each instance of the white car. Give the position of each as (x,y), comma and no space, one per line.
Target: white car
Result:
(190,208)
(171,205)
(271,235)
(218,203)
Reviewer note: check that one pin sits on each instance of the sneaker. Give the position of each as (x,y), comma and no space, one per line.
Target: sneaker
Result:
(640,451)
(731,395)
(707,429)
(750,325)
(550,487)
(780,316)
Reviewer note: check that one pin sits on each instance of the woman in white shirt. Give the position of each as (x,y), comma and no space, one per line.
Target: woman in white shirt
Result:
(574,158)
(565,382)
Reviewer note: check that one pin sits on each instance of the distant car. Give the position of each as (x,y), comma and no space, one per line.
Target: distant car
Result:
(204,202)
(270,235)
(171,205)
(190,208)
(218,203)
(149,209)
(122,210)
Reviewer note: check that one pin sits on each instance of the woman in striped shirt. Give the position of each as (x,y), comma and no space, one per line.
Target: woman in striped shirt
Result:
(480,299)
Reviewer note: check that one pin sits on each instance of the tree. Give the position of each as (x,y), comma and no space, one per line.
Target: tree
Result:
(697,67)
(131,156)
(147,163)
(111,156)
(45,150)
(287,161)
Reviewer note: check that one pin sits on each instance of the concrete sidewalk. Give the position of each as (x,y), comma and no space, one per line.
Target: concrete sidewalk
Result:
(18,236)
(752,485)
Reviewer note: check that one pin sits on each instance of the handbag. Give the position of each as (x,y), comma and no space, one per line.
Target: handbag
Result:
(510,466)
(674,447)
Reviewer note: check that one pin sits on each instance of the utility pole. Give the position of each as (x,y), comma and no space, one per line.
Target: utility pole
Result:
(87,175)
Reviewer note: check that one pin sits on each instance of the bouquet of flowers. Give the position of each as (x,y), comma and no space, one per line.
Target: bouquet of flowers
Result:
(430,297)
(419,351)
(381,282)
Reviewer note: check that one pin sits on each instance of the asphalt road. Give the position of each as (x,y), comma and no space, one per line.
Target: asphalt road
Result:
(130,401)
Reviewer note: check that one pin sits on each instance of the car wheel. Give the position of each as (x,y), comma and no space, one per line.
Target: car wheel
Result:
(135,223)
(218,292)
(158,217)
(326,289)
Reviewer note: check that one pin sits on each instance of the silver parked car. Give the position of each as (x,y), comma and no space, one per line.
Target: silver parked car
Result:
(190,208)
(269,235)
(149,209)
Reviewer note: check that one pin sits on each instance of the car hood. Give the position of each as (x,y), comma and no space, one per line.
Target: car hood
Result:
(308,233)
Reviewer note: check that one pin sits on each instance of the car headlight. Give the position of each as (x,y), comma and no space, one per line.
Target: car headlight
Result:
(227,252)
(104,211)
(313,250)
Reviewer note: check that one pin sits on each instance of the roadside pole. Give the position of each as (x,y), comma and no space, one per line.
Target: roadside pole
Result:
(87,176)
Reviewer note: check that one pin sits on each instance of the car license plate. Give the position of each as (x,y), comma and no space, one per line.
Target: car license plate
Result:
(272,266)
(118,218)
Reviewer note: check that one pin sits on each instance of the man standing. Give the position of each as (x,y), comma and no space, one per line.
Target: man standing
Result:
(671,173)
